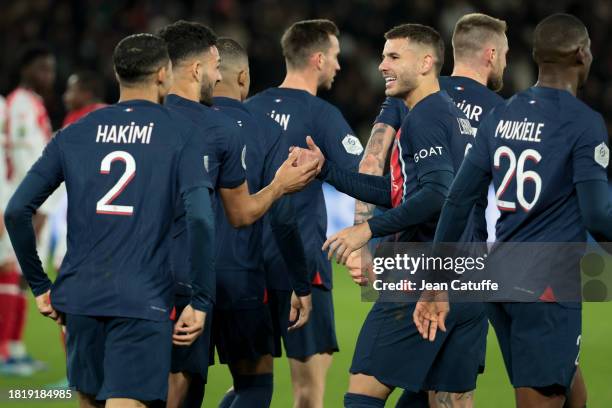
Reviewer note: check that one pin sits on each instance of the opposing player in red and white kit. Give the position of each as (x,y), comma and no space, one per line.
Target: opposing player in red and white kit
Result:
(28,129)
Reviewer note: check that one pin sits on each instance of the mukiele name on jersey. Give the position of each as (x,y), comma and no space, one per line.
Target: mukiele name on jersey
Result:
(519,130)
(281,118)
(124,133)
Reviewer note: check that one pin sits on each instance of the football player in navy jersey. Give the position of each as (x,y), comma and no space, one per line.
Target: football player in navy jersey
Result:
(479,49)
(195,57)
(125,167)
(479,53)
(311,51)
(562,195)
(390,352)
(242,327)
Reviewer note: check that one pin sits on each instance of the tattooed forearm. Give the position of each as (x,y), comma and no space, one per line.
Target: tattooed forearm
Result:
(373,163)
(453,400)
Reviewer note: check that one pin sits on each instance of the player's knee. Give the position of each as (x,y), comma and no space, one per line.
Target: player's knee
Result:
(307,397)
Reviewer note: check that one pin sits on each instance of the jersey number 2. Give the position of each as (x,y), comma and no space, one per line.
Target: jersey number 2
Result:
(104,205)
(517,168)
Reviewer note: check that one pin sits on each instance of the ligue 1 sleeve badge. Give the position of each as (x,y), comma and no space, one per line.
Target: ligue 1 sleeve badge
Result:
(352,145)
(602,155)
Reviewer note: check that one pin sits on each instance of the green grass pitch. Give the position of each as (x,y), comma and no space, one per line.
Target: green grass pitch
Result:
(43,340)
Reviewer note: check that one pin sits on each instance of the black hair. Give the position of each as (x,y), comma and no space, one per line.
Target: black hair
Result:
(186,38)
(138,56)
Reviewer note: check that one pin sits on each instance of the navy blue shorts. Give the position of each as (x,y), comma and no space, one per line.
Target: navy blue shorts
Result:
(540,342)
(244,334)
(317,336)
(391,349)
(117,357)
(195,358)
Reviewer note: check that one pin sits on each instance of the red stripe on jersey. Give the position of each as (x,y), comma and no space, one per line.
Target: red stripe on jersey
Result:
(173,313)
(317,279)
(265,299)
(548,295)
(397,176)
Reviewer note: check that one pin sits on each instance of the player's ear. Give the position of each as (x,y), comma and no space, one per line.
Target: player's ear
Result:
(242,78)
(581,55)
(319,59)
(162,73)
(427,64)
(196,69)
(490,55)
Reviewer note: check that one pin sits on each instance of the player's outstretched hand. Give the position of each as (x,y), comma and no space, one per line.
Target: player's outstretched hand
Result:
(292,175)
(430,313)
(346,241)
(307,155)
(301,306)
(43,303)
(188,326)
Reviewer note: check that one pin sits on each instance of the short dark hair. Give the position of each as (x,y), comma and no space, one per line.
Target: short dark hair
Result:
(421,34)
(186,38)
(472,31)
(138,56)
(31,53)
(305,37)
(90,81)
(557,37)
(231,51)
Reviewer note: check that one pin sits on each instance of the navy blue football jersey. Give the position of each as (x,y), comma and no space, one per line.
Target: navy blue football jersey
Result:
(121,165)
(435,136)
(475,100)
(392,112)
(239,263)
(536,146)
(472,98)
(299,114)
(223,160)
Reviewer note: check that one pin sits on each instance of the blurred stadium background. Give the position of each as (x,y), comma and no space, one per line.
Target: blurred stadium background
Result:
(83,33)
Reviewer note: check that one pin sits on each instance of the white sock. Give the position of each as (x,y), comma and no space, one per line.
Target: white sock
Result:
(16,349)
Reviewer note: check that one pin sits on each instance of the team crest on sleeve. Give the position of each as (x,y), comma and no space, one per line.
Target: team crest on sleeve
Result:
(602,155)
(243,157)
(352,145)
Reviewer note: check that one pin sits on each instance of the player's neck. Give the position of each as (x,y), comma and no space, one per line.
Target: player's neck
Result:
(466,71)
(186,90)
(301,80)
(150,94)
(427,87)
(224,91)
(558,78)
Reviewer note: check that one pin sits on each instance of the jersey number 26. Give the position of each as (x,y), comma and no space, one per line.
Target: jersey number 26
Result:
(517,168)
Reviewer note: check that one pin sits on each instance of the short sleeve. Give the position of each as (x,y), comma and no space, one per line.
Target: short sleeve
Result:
(479,154)
(191,172)
(233,165)
(336,138)
(591,155)
(392,113)
(49,165)
(430,146)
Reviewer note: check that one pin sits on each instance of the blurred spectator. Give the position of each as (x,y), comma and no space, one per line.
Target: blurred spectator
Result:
(83,34)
